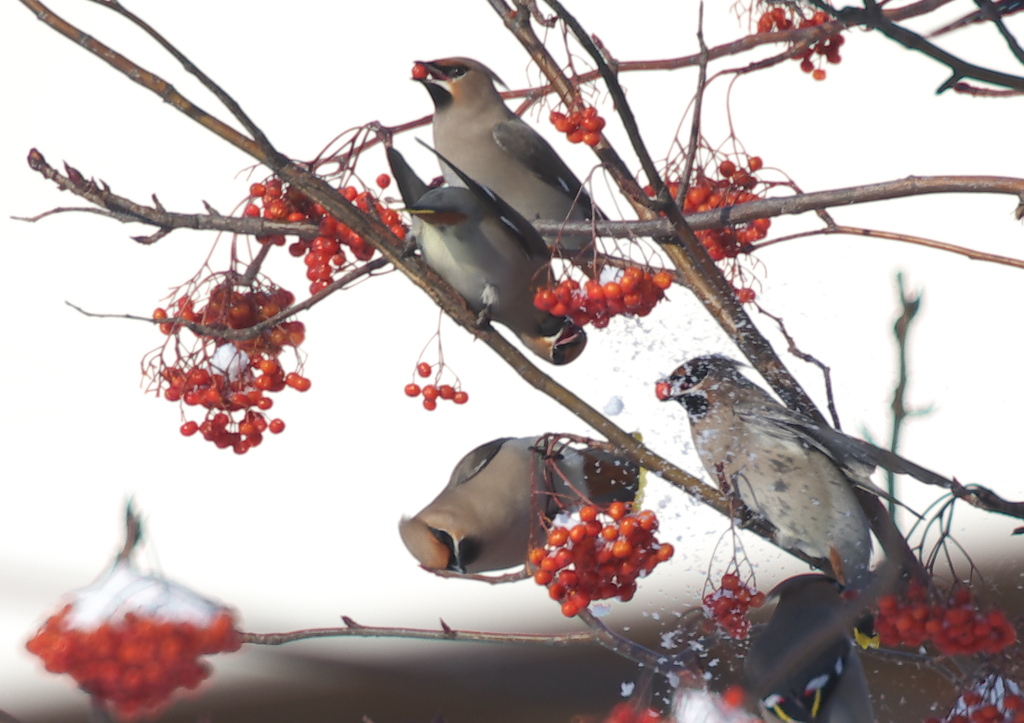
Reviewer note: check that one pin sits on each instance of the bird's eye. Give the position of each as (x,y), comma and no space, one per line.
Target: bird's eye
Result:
(691,374)
(457,71)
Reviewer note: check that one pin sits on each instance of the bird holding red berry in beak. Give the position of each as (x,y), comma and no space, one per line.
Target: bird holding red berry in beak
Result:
(797,474)
(474,129)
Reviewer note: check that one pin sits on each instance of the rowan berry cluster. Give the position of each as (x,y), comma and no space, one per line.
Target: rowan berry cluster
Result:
(993,700)
(635,292)
(781,18)
(729,603)
(135,658)
(957,627)
(599,558)
(580,126)
(735,184)
(324,255)
(827,48)
(231,379)
(432,392)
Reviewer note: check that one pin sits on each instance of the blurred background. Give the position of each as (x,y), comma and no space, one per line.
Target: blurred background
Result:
(302,530)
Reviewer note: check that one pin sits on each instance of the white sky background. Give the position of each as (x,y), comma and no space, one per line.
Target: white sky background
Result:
(303,529)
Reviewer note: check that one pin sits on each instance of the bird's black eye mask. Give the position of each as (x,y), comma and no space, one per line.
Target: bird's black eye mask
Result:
(465,553)
(445,72)
(691,374)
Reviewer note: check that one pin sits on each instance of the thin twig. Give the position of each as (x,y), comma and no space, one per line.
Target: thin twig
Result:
(249,332)
(909,306)
(826,371)
(972,254)
(698,103)
(684,665)
(355,630)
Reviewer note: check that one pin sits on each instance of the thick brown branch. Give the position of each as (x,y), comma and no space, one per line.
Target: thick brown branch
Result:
(143,77)
(128,211)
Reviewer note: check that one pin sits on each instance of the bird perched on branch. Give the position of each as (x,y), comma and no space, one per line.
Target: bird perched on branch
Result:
(500,496)
(476,131)
(803,666)
(490,255)
(797,474)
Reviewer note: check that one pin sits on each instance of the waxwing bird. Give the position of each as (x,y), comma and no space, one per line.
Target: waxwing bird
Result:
(499,497)
(476,131)
(803,666)
(491,256)
(797,474)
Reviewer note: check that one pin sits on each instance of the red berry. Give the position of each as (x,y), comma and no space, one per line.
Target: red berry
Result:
(298,382)
(412,390)
(423,369)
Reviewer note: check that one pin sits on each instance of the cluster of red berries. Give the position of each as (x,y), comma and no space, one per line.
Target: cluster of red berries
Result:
(600,557)
(955,628)
(580,126)
(227,307)
(989,702)
(432,392)
(323,255)
(131,640)
(636,292)
(231,379)
(779,19)
(133,665)
(827,48)
(729,604)
(733,187)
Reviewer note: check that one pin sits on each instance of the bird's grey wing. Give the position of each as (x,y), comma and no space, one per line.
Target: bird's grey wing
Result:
(469,466)
(533,245)
(519,140)
(857,457)
(410,185)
